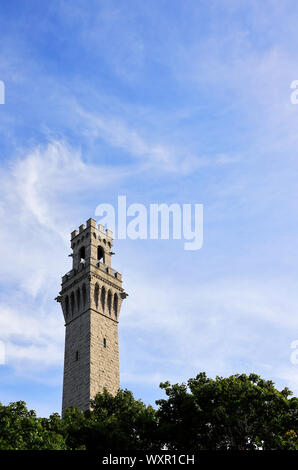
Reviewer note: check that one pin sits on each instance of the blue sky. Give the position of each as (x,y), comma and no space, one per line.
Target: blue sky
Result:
(161,101)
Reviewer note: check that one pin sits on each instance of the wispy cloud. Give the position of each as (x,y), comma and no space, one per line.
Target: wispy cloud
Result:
(159,155)
(212,326)
(41,195)
(187,105)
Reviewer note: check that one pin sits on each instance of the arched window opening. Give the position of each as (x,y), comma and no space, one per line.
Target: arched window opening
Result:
(84,295)
(78,299)
(103,298)
(82,253)
(96,294)
(115,305)
(72,303)
(100,254)
(109,302)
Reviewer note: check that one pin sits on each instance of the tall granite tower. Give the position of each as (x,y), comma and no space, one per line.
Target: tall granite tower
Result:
(91,298)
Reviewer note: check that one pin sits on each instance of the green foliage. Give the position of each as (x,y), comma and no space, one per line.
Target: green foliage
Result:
(115,422)
(239,412)
(20,429)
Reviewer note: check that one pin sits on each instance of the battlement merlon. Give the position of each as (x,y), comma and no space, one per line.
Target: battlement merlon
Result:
(92,245)
(91,223)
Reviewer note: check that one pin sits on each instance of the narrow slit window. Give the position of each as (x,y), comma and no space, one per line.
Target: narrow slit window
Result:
(96,294)
(104,343)
(77,356)
(109,302)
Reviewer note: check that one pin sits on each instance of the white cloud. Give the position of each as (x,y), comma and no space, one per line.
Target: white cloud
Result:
(149,152)
(289,375)
(40,197)
(40,204)
(222,327)
(174,330)
(45,176)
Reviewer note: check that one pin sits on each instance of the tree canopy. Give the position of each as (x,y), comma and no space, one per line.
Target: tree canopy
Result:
(241,412)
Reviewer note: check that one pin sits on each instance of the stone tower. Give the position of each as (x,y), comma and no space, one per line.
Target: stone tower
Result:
(91,298)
